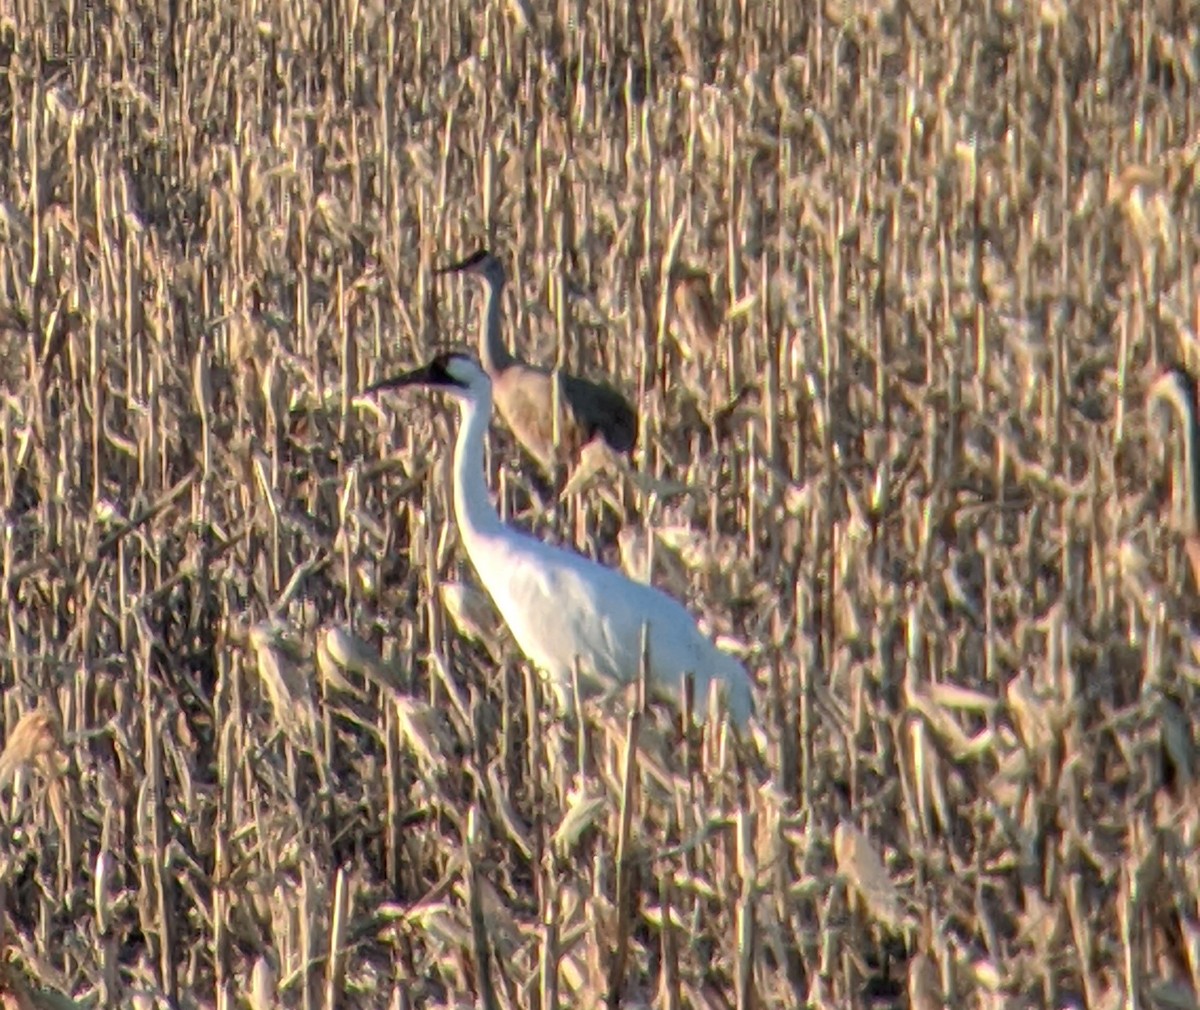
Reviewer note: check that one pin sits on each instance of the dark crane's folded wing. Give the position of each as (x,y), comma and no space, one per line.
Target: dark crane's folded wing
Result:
(598,408)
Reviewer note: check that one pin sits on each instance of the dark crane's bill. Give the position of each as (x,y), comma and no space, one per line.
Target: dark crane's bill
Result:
(465,264)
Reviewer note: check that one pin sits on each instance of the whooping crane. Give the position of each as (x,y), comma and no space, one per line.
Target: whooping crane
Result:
(524,393)
(559,605)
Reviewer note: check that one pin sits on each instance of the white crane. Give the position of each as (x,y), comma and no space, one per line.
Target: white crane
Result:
(560,605)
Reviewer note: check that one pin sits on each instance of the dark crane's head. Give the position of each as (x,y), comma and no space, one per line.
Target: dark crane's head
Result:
(451,372)
(481,264)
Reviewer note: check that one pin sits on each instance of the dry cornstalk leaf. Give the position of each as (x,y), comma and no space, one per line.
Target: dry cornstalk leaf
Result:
(984,972)
(443,922)
(860,864)
(697,312)
(924,984)
(1172,995)
(15,222)
(35,740)
(472,612)
(503,929)
(286,689)
(929,781)
(345,650)
(594,458)
(962,699)
(18,992)
(646,558)
(649,484)
(585,807)
(1177,744)
(423,731)
(331,671)
(1030,715)
(516,829)
(944,725)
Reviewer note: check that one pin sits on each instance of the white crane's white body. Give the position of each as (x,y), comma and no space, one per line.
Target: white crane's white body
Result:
(560,606)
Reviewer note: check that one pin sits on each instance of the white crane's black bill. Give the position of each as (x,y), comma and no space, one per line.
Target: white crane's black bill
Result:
(462,266)
(433,375)
(415,377)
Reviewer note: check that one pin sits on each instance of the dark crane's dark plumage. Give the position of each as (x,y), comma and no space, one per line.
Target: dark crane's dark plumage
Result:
(524,393)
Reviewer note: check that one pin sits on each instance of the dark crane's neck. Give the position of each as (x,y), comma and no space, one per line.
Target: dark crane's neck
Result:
(494,354)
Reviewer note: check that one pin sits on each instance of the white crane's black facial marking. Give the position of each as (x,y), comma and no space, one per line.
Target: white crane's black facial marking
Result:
(458,370)
(439,373)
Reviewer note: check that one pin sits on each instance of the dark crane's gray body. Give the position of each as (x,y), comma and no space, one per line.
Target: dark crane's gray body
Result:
(524,393)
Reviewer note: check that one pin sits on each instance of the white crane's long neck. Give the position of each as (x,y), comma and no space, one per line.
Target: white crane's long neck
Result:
(493,352)
(473,508)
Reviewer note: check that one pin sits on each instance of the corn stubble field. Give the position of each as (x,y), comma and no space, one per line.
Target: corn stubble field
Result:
(263,745)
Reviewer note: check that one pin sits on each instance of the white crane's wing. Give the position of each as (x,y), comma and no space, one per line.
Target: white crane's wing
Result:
(560,606)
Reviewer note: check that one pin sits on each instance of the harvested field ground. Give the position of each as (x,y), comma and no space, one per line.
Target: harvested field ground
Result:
(253,756)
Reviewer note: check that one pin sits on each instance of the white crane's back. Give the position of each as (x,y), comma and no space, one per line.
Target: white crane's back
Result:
(562,606)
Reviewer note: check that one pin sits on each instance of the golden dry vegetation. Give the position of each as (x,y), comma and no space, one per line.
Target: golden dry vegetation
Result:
(264,746)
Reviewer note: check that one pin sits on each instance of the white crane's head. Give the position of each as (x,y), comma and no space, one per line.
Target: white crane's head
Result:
(481,264)
(452,372)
